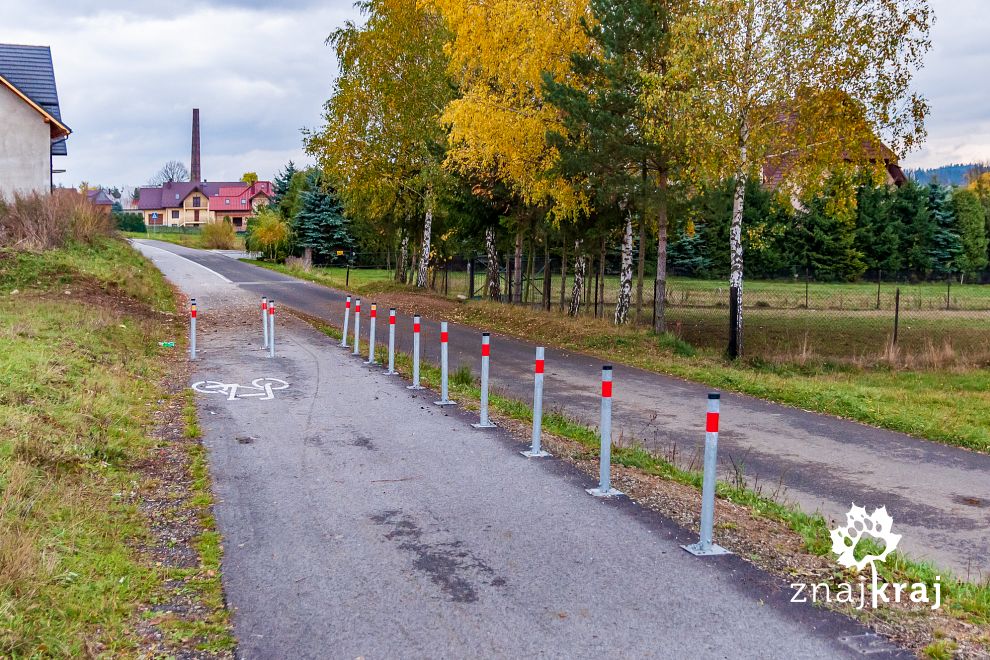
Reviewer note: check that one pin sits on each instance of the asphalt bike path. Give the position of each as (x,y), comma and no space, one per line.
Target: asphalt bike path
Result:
(361,520)
(939,496)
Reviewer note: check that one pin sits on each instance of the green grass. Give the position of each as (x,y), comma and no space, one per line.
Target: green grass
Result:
(964,600)
(186,239)
(948,403)
(79,374)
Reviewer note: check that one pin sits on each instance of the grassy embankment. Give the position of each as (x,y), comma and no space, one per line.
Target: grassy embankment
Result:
(185,239)
(966,610)
(82,377)
(948,403)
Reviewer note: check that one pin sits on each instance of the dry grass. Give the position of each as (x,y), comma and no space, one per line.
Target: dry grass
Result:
(219,236)
(38,222)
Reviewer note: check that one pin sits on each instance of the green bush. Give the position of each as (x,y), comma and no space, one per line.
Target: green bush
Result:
(130,222)
(219,236)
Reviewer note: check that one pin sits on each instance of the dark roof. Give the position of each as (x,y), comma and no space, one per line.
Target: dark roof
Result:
(30,69)
(99,197)
(171,195)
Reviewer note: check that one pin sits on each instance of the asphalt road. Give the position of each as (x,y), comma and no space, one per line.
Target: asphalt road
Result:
(938,496)
(360,520)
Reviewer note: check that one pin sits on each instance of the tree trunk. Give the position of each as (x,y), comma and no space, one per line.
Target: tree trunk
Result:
(600,281)
(641,267)
(547,276)
(625,277)
(493,281)
(424,257)
(517,270)
(580,264)
(660,284)
(400,265)
(736,250)
(563,274)
(307,257)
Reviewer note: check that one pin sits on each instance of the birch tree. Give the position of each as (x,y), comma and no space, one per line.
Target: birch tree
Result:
(788,89)
(382,138)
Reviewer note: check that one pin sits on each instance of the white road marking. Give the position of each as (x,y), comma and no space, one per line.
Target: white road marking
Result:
(262,389)
(153,247)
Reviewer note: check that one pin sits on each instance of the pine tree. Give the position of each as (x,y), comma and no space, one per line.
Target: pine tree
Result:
(971,227)
(878,231)
(282,182)
(945,249)
(320,226)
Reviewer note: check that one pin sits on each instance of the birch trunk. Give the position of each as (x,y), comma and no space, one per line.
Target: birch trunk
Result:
(660,284)
(625,277)
(493,281)
(400,266)
(580,264)
(424,256)
(736,246)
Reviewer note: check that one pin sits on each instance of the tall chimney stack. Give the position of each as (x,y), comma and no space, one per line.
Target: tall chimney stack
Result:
(195,173)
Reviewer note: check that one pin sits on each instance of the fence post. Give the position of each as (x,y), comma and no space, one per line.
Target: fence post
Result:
(535,451)
(271,328)
(391,342)
(357,327)
(486,348)
(897,314)
(444,364)
(948,294)
(879,280)
(373,322)
(264,322)
(471,278)
(347,318)
(605,430)
(415,384)
(704,547)
(192,329)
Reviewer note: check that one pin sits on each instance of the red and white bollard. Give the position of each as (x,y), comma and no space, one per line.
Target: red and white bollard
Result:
(486,352)
(357,327)
(192,329)
(347,318)
(444,398)
(605,427)
(704,547)
(391,343)
(264,322)
(536,451)
(271,328)
(373,321)
(415,375)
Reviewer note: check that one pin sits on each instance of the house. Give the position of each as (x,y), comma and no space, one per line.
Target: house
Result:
(31,128)
(193,204)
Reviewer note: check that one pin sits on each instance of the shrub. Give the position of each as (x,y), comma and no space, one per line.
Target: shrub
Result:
(42,222)
(269,234)
(130,222)
(219,236)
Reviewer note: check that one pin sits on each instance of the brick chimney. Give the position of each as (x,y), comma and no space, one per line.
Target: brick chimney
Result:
(195,172)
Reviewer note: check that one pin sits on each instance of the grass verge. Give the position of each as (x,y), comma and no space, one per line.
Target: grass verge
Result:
(962,622)
(81,374)
(950,405)
(190,240)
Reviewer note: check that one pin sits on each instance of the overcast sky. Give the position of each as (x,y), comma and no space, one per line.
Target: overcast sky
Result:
(130,71)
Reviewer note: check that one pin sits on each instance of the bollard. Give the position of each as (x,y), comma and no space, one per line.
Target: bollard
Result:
(192,328)
(536,451)
(444,399)
(271,328)
(264,322)
(605,428)
(415,385)
(373,321)
(391,343)
(357,327)
(347,317)
(486,350)
(704,547)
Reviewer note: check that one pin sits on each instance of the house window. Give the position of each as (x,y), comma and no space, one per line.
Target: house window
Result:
(227,201)
(243,201)
(175,215)
(176,196)
(196,201)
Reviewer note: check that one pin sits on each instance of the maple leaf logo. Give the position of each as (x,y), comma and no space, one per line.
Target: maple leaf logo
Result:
(858,523)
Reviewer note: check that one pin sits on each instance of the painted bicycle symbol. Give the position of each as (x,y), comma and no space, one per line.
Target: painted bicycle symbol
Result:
(262,389)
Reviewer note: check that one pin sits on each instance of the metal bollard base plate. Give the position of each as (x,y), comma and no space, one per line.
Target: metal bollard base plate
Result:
(479,425)
(415,387)
(390,373)
(598,492)
(445,403)
(343,344)
(371,362)
(529,453)
(699,550)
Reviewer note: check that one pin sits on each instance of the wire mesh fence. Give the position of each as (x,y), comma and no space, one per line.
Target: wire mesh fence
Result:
(790,319)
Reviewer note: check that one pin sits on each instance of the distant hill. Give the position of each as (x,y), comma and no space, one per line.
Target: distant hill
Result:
(947,175)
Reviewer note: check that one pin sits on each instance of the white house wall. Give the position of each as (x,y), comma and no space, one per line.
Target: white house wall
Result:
(25,147)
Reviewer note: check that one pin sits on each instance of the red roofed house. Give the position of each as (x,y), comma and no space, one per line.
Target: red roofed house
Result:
(238,203)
